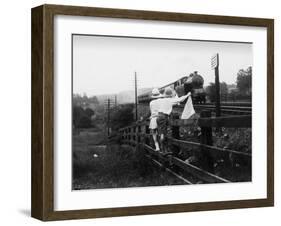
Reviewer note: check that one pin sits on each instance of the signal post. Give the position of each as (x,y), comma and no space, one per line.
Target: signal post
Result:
(215,66)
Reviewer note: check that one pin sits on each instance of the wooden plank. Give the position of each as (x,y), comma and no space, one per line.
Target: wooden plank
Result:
(129,142)
(182,122)
(184,143)
(206,138)
(242,121)
(168,170)
(144,123)
(199,173)
(155,153)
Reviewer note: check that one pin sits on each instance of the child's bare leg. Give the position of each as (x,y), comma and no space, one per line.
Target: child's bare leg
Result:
(162,137)
(162,142)
(154,135)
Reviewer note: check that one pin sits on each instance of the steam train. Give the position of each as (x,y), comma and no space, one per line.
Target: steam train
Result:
(192,83)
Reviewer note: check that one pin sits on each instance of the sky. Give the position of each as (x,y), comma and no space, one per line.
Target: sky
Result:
(106,65)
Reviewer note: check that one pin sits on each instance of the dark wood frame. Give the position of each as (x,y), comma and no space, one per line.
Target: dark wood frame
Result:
(42,203)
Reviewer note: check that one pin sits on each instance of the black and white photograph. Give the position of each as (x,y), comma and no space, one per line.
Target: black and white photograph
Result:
(160,112)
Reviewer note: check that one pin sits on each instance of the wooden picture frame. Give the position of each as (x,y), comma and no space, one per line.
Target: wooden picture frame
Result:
(42,204)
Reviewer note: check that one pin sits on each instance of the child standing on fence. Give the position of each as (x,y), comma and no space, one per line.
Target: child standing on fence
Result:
(154,108)
(165,109)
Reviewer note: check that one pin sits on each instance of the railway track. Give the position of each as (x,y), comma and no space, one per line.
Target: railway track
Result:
(237,104)
(226,108)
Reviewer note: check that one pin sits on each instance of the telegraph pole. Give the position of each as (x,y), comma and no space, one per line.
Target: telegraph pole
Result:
(215,66)
(110,106)
(108,116)
(136,96)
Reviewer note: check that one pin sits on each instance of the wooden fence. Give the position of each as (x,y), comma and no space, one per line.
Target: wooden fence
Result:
(138,135)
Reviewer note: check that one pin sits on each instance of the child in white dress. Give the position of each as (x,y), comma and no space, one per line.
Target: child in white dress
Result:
(154,108)
(164,111)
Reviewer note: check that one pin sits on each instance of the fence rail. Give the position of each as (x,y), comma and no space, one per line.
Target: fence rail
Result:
(137,135)
(243,121)
(184,143)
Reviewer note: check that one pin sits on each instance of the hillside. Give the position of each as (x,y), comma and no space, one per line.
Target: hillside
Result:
(123,97)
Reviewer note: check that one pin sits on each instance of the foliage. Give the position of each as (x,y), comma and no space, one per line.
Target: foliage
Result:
(211,91)
(84,101)
(122,116)
(77,114)
(234,138)
(244,80)
(89,112)
(230,166)
(84,122)
(233,94)
(115,166)
(82,118)
(223,91)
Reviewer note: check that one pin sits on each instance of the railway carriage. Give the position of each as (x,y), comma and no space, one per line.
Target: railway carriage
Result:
(192,83)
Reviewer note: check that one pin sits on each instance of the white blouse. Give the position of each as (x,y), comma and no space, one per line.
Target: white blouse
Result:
(154,107)
(166,104)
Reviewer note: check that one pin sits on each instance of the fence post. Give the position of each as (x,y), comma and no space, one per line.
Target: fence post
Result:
(142,137)
(139,133)
(147,139)
(175,134)
(120,136)
(206,138)
(127,135)
(134,135)
(137,136)
(131,136)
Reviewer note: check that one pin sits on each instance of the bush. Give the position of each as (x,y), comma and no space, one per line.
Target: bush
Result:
(89,112)
(84,122)
(122,117)
(82,118)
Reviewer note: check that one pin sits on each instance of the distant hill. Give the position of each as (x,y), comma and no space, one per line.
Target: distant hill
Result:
(123,97)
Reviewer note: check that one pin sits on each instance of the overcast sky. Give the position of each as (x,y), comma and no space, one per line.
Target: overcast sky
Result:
(106,65)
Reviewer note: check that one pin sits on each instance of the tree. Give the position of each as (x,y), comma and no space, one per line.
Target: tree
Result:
(81,118)
(93,100)
(89,112)
(211,91)
(223,91)
(77,100)
(233,95)
(77,114)
(84,122)
(244,81)
(84,100)
(122,116)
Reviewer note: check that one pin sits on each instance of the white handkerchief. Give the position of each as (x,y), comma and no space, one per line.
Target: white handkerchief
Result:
(188,110)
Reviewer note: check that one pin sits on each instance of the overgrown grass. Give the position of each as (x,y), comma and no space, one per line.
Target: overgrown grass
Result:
(113,166)
(236,168)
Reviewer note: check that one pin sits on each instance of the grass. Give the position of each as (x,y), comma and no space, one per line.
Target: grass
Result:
(96,165)
(235,168)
